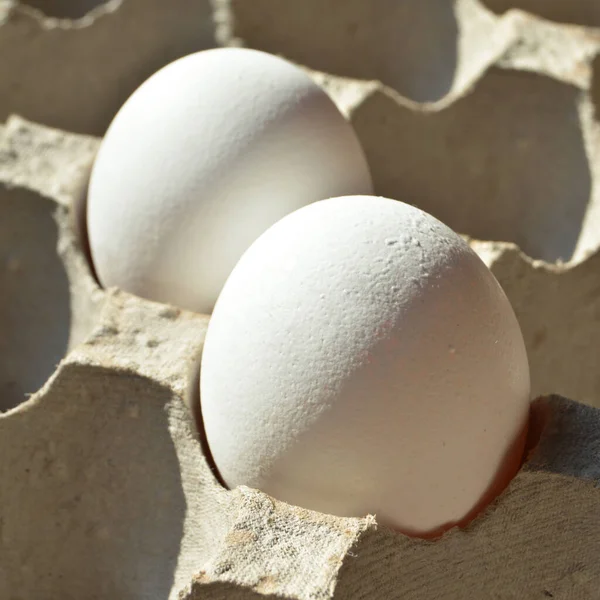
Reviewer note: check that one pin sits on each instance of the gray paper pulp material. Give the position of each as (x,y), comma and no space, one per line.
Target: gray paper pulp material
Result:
(487,120)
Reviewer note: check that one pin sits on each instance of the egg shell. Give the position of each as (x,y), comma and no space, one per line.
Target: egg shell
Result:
(362,359)
(203,158)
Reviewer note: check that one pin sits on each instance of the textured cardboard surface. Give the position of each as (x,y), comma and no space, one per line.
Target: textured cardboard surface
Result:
(583,12)
(106,488)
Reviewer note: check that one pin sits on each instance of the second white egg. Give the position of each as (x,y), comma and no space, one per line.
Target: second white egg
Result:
(202,159)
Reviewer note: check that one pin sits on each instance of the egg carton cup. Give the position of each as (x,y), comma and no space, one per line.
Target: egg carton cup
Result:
(106,487)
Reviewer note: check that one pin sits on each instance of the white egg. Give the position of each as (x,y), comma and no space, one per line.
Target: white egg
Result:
(203,158)
(361,359)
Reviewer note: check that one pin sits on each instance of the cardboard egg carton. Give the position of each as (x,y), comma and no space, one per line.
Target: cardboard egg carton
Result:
(106,488)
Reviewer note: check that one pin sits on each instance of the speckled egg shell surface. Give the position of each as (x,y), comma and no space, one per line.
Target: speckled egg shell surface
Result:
(362,359)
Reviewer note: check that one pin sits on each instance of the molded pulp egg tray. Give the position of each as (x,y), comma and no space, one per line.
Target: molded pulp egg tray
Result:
(483,116)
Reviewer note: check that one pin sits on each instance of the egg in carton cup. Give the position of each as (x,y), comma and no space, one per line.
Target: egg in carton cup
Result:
(105,463)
